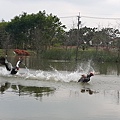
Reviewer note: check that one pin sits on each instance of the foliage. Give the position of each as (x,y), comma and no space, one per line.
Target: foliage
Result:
(41,32)
(35,31)
(91,53)
(58,54)
(100,56)
(4,36)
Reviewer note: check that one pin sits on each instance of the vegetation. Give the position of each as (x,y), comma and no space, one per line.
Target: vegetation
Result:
(46,35)
(91,53)
(59,54)
(35,31)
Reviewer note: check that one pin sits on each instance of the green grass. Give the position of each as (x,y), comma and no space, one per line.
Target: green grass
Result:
(58,54)
(70,54)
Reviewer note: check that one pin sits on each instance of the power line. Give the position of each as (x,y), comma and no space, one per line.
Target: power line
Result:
(92,17)
(100,18)
(68,17)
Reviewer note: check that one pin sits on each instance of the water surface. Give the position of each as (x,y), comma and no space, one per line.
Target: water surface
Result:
(50,91)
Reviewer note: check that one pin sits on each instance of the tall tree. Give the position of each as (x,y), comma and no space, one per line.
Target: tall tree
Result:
(41,27)
(4,36)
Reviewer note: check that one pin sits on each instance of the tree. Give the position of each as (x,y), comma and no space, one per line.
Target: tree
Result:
(40,28)
(4,36)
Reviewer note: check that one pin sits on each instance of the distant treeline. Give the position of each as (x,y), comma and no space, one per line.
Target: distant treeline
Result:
(41,32)
(31,31)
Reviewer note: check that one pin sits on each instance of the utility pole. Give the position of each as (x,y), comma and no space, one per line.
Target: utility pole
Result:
(77,45)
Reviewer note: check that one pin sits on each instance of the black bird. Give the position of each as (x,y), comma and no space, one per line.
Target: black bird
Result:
(8,65)
(85,79)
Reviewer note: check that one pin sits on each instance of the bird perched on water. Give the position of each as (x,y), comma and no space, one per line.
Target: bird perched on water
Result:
(8,65)
(85,79)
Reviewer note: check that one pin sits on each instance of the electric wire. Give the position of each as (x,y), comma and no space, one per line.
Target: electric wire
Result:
(91,17)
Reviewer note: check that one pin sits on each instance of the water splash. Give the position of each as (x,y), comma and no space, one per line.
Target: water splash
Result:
(25,67)
(85,67)
(3,71)
(54,74)
(63,76)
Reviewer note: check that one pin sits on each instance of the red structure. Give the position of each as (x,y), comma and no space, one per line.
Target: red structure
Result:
(21,52)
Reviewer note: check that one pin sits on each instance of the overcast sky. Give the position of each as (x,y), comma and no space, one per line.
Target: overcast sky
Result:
(67,11)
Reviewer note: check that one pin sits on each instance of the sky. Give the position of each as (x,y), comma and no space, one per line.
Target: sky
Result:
(93,13)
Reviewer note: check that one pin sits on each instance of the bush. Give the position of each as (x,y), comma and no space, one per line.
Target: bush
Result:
(57,54)
(70,54)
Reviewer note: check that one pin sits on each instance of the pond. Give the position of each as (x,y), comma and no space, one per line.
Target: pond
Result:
(48,90)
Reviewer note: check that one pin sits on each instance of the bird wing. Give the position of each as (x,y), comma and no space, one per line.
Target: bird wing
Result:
(17,64)
(8,66)
(83,76)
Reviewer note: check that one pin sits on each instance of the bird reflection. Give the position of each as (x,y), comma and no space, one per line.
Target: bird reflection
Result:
(83,90)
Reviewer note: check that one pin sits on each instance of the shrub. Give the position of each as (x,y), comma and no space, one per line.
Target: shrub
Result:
(57,54)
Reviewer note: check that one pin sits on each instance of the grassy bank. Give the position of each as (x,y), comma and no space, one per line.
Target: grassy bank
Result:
(58,54)
(103,56)
(70,54)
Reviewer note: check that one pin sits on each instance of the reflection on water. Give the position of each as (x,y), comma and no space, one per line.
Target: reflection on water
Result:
(39,92)
(27,90)
(35,91)
(4,87)
(88,91)
(20,100)
(34,62)
(108,68)
(55,82)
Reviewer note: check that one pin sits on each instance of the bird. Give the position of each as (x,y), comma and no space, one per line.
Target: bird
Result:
(86,78)
(8,65)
